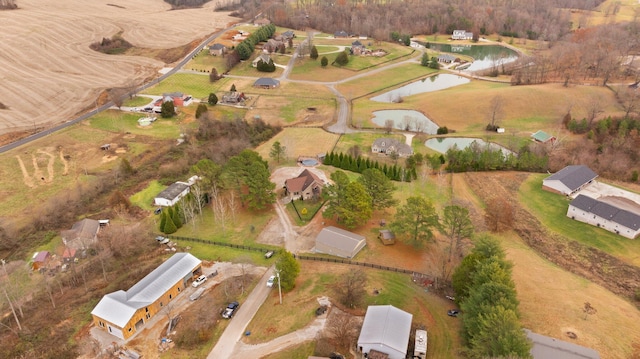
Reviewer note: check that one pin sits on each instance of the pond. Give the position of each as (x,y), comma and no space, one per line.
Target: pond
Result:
(309,162)
(445,143)
(428,84)
(406,120)
(484,56)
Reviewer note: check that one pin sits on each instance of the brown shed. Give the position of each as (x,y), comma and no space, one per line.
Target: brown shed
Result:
(387,237)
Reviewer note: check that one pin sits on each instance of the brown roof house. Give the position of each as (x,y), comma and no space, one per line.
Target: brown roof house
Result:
(306,186)
(82,234)
(338,242)
(39,259)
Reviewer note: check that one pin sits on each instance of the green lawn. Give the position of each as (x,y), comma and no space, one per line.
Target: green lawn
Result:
(551,210)
(298,351)
(386,79)
(196,85)
(144,198)
(118,121)
(136,101)
(305,211)
(204,62)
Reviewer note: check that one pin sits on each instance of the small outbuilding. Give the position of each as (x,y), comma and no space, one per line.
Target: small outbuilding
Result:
(40,259)
(217,49)
(569,180)
(266,83)
(386,330)
(338,242)
(543,137)
(387,237)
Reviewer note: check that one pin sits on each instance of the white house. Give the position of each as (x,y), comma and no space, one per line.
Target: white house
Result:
(462,35)
(569,180)
(174,193)
(604,215)
(386,329)
(338,242)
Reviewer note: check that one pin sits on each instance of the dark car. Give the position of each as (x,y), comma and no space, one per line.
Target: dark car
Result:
(230,310)
(453,313)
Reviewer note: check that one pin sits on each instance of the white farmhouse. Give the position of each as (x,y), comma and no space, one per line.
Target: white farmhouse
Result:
(174,193)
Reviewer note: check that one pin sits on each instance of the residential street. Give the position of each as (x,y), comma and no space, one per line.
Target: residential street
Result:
(230,337)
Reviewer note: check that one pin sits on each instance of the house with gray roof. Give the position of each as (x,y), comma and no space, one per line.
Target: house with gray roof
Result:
(264,57)
(547,347)
(123,313)
(338,242)
(217,49)
(340,33)
(174,193)
(386,330)
(266,83)
(569,180)
(462,35)
(82,234)
(388,145)
(604,215)
(447,58)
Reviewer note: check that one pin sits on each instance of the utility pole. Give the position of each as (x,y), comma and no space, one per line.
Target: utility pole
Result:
(279,287)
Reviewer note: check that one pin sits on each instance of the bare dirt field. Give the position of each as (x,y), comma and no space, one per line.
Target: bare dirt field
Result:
(48,71)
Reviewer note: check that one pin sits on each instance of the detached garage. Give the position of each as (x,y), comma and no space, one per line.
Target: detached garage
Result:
(338,242)
(569,180)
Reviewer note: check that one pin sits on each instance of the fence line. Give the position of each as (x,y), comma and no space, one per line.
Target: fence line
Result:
(306,257)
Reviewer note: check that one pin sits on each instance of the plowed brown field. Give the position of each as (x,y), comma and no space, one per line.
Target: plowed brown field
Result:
(49,73)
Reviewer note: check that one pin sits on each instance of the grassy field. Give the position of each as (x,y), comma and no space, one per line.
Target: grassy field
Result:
(554,307)
(318,279)
(300,142)
(551,210)
(300,351)
(196,85)
(136,101)
(123,122)
(466,108)
(144,198)
(205,62)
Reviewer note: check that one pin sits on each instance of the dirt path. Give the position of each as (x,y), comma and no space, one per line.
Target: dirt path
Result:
(28,180)
(310,332)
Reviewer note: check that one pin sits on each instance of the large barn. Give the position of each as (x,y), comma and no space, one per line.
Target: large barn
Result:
(569,180)
(386,329)
(604,215)
(338,242)
(123,313)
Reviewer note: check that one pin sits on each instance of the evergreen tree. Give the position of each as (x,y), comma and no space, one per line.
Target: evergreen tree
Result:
(213,99)
(202,108)
(233,88)
(314,53)
(163,221)
(324,61)
(342,59)
(176,217)
(167,109)
(288,269)
(416,219)
(169,226)
(379,188)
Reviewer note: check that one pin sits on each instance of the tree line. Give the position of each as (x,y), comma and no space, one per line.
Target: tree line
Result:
(485,158)
(487,296)
(359,164)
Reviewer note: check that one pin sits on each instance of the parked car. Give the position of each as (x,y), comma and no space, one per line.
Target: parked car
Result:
(157,211)
(269,254)
(453,313)
(230,310)
(162,240)
(270,281)
(201,279)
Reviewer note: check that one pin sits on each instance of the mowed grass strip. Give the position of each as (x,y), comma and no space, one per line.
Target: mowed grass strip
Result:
(144,198)
(551,209)
(299,351)
(552,302)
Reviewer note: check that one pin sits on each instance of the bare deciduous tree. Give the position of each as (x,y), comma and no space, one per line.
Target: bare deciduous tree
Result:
(343,328)
(496,108)
(351,289)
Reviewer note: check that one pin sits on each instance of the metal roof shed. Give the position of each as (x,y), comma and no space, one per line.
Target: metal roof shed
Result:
(338,242)
(385,329)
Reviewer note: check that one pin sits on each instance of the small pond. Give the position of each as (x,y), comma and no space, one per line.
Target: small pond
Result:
(406,120)
(484,56)
(443,144)
(309,162)
(428,84)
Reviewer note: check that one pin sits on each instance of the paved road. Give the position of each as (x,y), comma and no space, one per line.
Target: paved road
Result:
(234,331)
